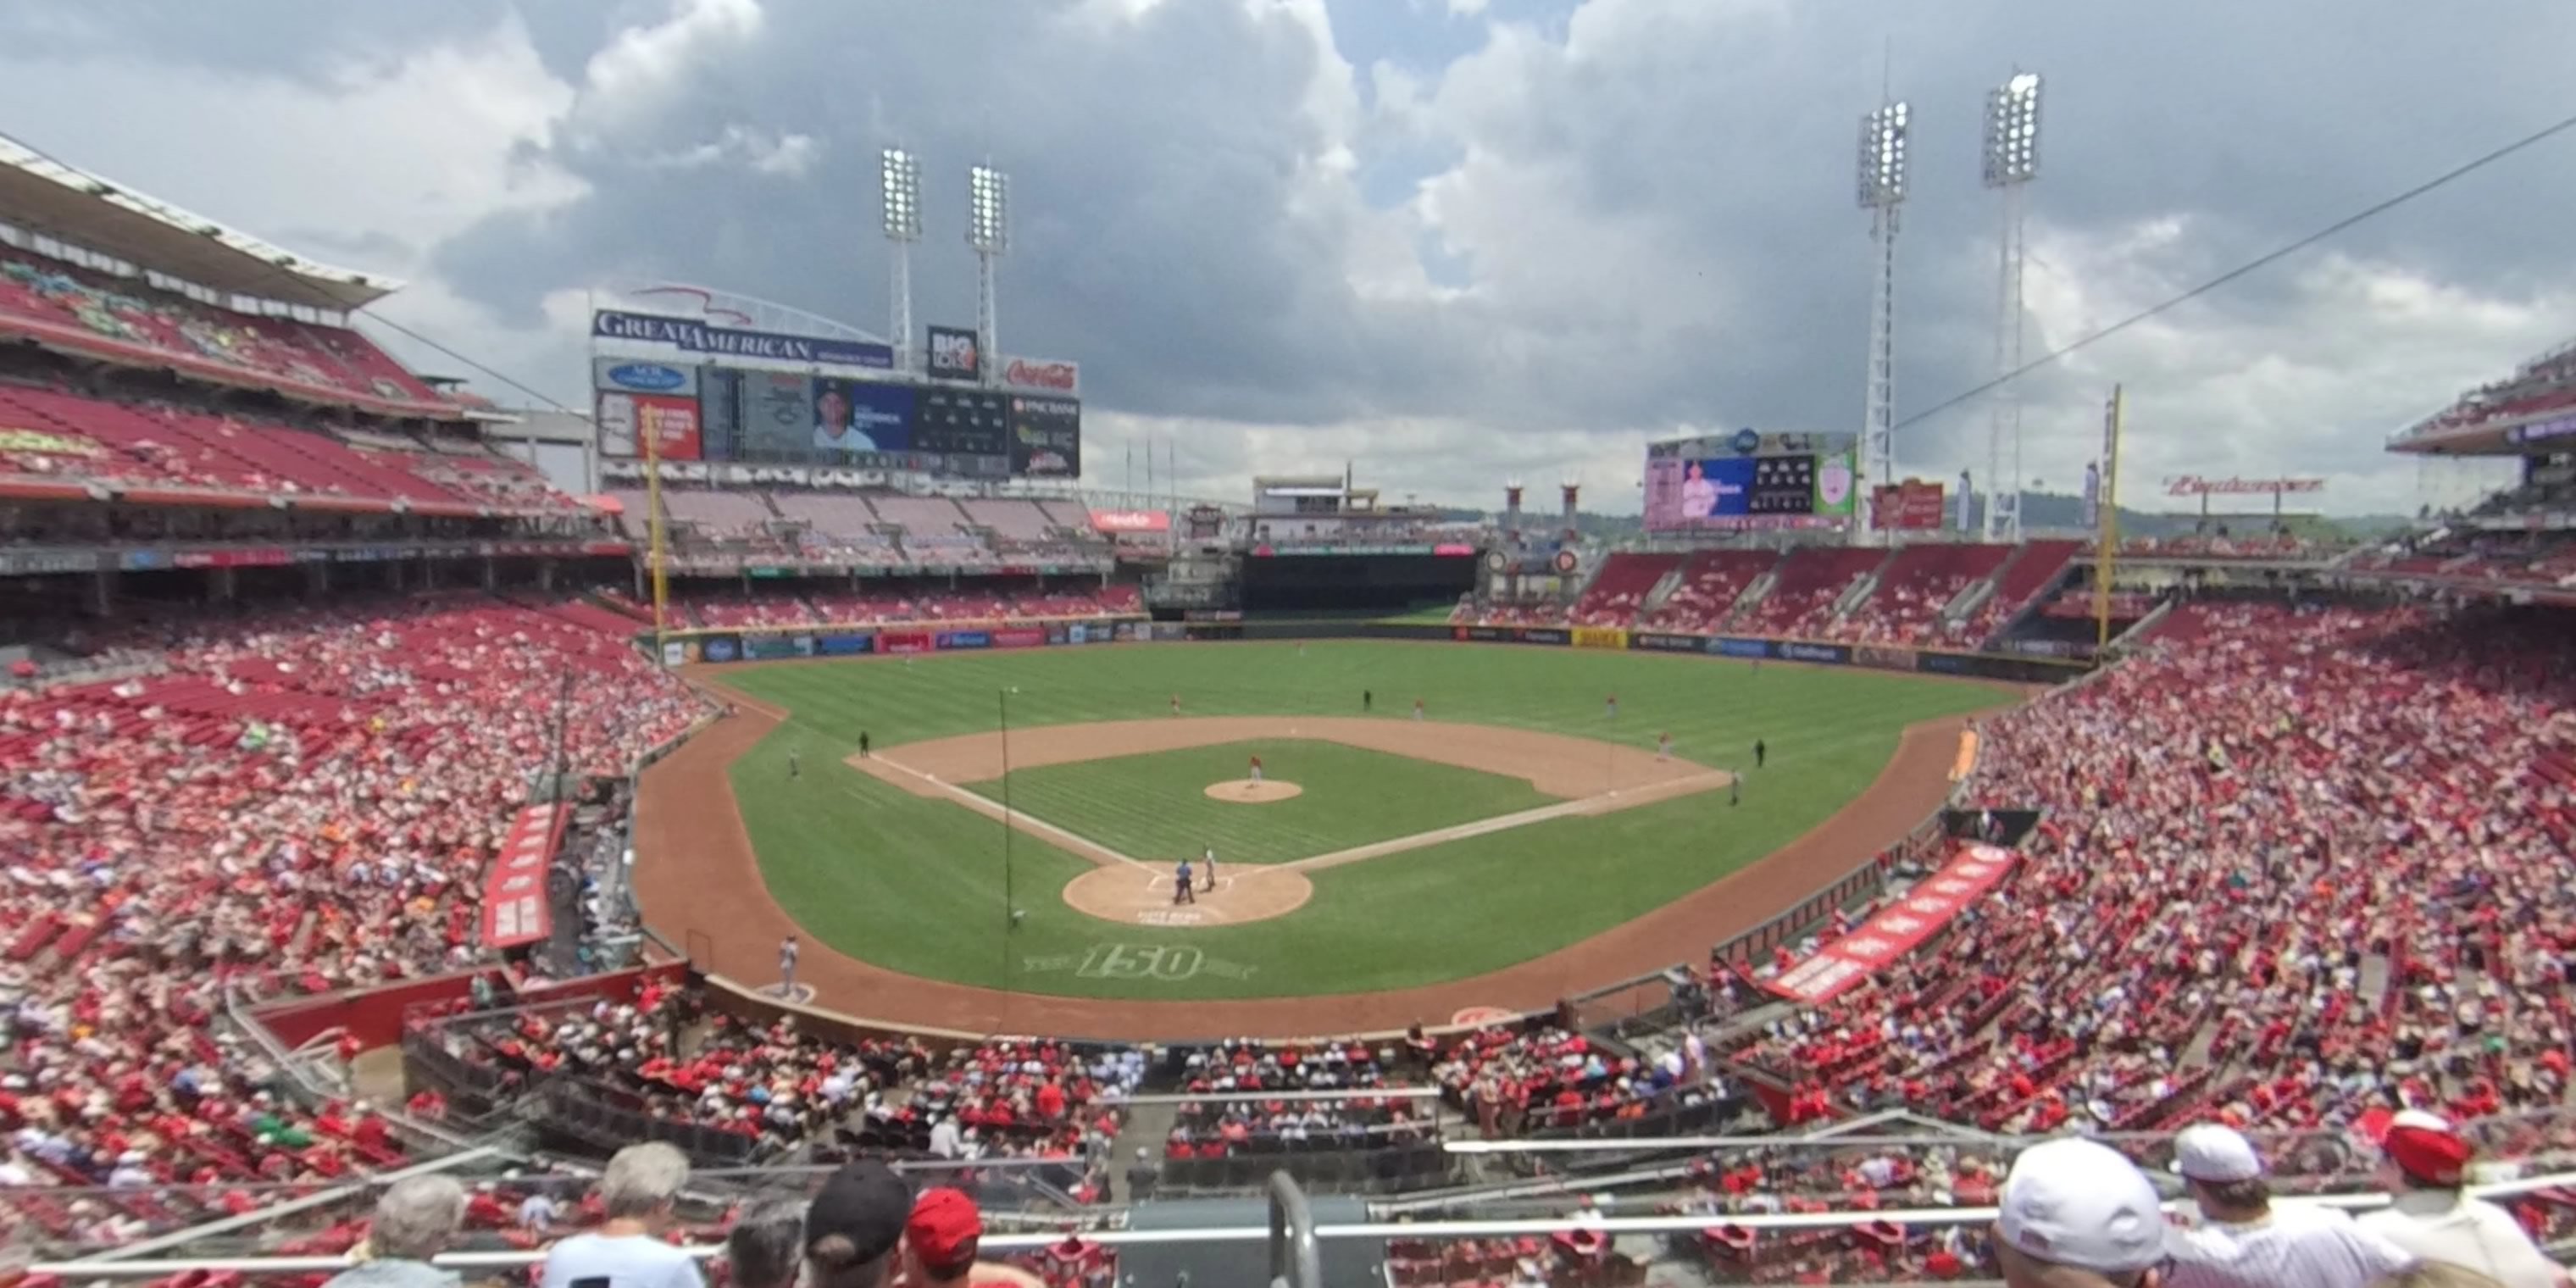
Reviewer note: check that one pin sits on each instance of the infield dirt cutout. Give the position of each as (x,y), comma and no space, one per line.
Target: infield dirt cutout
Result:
(1244,791)
(1588,776)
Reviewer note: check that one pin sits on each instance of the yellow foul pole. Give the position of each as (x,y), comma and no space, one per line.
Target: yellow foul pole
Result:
(655,553)
(2106,554)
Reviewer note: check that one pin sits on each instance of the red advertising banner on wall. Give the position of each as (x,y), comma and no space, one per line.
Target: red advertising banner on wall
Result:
(1131,521)
(1896,929)
(673,422)
(1912,505)
(1019,638)
(515,908)
(904,642)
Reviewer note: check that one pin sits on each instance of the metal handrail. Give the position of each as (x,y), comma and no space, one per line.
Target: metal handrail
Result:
(1295,1262)
(1315,1234)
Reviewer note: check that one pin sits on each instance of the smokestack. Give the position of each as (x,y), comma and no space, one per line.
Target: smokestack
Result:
(1571,489)
(1512,510)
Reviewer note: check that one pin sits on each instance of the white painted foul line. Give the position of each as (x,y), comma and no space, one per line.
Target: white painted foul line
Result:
(1020,819)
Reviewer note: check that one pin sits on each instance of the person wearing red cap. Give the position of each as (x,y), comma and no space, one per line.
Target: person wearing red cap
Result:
(940,1242)
(2424,1161)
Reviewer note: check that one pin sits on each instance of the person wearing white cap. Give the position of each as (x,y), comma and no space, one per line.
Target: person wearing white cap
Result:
(2424,1161)
(2245,1242)
(2075,1214)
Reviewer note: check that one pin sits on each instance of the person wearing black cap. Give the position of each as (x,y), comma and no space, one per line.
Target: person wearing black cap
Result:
(854,1226)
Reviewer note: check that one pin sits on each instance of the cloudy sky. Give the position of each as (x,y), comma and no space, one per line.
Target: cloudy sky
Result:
(1458,241)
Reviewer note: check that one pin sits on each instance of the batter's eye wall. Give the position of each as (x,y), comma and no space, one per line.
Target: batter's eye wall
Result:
(1353,582)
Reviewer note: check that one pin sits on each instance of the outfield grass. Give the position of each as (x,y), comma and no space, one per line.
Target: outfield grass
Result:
(1155,806)
(924,886)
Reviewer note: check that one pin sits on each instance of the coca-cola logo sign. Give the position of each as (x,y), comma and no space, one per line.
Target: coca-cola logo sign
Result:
(1040,373)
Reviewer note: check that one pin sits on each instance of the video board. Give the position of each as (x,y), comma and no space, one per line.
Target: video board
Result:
(1750,479)
(730,394)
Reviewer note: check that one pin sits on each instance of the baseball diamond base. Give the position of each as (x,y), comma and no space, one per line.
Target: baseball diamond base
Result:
(1246,791)
(1135,897)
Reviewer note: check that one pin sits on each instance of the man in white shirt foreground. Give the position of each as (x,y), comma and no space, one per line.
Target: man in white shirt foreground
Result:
(2075,1214)
(2424,1160)
(641,1188)
(2244,1242)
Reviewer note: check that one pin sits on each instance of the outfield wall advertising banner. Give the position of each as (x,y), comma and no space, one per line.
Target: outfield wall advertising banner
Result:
(965,639)
(1795,651)
(1046,437)
(720,648)
(1600,637)
(862,415)
(1030,638)
(1740,648)
(1884,656)
(1660,643)
(904,642)
(689,336)
(843,645)
(762,648)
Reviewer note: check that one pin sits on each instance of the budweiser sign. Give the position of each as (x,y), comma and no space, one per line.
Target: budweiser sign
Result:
(2195,485)
(1131,521)
(1043,374)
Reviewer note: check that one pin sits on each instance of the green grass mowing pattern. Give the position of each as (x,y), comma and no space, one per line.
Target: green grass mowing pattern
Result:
(1155,806)
(920,885)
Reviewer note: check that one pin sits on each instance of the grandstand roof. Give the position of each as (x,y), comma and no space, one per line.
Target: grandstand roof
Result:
(99,214)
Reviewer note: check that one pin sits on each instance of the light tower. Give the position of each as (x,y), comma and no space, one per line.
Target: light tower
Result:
(1882,194)
(988,230)
(903,228)
(2011,162)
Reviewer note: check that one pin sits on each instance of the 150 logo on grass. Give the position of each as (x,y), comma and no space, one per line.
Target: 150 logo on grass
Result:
(1170,963)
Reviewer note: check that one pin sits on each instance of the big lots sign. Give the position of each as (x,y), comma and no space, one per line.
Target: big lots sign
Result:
(1044,374)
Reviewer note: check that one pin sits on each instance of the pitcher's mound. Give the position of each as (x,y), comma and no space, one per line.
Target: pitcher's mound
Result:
(1244,791)
(1133,895)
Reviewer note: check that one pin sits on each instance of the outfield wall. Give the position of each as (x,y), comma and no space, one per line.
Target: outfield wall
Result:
(1879,657)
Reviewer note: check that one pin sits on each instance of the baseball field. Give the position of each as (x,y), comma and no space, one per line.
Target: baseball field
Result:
(1016,825)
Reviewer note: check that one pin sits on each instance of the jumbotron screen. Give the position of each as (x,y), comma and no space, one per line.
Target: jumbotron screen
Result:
(1750,480)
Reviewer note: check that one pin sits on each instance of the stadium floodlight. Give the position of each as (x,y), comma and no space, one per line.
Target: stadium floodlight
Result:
(1881,190)
(2011,161)
(988,225)
(988,230)
(903,228)
(1882,156)
(2012,131)
(902,195)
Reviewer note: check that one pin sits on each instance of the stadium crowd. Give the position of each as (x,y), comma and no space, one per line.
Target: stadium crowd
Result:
(296,802)
(783,1087)
(2298,871)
